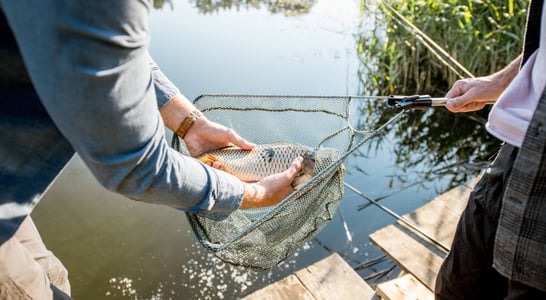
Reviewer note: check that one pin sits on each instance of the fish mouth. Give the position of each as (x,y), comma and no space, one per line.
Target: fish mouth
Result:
(307,170)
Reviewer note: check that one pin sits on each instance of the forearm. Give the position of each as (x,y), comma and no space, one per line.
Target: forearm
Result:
(502,78)
(175,111)
(173,106)
(254,196)
(472,94)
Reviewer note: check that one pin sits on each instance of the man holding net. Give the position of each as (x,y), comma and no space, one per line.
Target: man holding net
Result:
(76,76)
(498,249)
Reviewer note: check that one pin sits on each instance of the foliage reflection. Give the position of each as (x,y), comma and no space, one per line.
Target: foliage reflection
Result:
(286,7)
(395,59)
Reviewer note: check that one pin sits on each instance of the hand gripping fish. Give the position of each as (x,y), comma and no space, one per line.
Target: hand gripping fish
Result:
(264,160)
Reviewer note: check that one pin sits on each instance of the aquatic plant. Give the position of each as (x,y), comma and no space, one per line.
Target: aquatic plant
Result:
(422,47)
(483,36)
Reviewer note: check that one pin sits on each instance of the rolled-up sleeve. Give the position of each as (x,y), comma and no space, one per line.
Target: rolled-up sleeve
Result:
(165,90)
(91,68)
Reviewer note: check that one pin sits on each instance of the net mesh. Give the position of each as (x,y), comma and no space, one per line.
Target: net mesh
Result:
(263,237)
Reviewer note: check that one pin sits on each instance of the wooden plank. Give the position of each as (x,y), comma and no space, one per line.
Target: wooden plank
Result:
(332,276)
(438,219)
(404,287)
(457,198)
(409,252)
(287,288)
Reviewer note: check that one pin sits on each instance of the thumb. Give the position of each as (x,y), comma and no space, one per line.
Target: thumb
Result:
(295,167)
(455,104)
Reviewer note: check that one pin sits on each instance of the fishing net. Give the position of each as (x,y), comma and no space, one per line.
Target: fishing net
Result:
(263,237)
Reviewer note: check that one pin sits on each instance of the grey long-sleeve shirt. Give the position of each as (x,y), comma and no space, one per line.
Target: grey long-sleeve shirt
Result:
(77,76)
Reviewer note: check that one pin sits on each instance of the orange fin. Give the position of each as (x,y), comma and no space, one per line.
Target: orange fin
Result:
(208,158)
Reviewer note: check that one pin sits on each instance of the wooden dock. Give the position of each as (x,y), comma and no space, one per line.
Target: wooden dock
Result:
(419,257)
(414,252)
(330,278)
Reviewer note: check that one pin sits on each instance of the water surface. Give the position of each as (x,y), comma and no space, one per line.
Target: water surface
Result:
(115,248)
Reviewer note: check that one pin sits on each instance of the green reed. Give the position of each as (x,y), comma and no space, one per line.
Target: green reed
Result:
(482,36)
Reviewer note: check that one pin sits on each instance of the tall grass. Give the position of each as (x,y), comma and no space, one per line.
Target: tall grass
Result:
(483,36)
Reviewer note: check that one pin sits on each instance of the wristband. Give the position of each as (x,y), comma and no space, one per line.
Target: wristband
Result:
(188,122)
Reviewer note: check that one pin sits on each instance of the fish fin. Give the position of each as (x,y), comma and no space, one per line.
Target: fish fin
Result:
(210,158)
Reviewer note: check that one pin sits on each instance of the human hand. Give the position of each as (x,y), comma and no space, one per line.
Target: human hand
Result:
(205,136)
(271,189)
(472,94)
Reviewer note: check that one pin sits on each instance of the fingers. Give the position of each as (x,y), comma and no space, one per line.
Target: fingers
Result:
(209,136)
(272,189)
(294,168)
(462,98)
(455,104)
(462,104)
(217,165)
(457,89)
(240,142)
(472,94)
(457,96)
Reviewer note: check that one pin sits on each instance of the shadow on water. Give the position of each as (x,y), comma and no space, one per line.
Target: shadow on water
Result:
(115,248)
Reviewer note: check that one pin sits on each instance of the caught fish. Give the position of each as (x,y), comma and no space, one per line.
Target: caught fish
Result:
(264,160)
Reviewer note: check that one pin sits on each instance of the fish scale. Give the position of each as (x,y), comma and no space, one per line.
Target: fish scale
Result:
(262,161)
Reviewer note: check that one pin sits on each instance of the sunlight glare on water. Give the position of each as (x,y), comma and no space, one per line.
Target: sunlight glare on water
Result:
(115,248)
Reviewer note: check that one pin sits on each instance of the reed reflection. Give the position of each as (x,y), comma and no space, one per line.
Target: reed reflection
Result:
(397,59)
(286,7)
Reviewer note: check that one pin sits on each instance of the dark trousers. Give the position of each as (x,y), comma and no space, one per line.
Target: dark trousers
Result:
(467,271)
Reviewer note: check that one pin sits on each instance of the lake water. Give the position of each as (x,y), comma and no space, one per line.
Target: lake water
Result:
(115,248)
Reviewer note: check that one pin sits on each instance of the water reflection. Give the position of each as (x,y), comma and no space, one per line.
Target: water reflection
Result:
(286,7)
(396,60)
